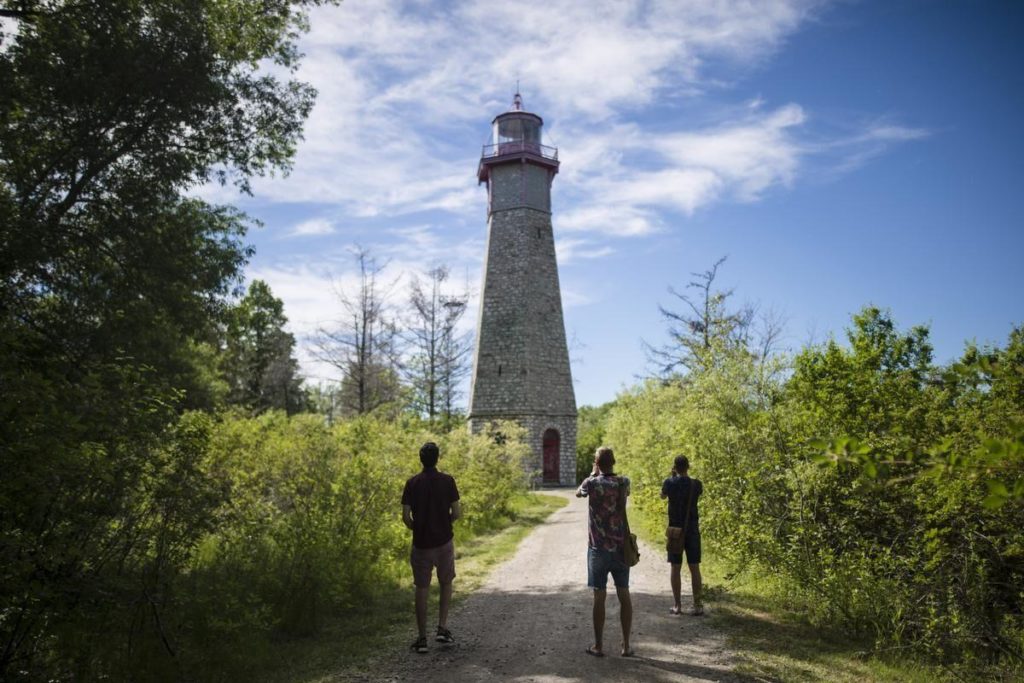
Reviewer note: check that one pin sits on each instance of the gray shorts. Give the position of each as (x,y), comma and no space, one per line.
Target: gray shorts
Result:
(423,561)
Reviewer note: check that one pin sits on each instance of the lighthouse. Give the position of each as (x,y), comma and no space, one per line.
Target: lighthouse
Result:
(521,362)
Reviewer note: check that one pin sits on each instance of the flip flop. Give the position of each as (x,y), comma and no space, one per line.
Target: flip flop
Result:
(596,653)
(676,611)
(629,653)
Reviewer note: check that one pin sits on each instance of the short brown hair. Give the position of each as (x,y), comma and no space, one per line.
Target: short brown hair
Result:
(604,457)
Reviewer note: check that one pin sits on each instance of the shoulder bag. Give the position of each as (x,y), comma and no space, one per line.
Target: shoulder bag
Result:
(630,550)
(676,535)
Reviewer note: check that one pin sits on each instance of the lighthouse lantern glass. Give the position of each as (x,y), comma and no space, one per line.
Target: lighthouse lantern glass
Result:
(517,130)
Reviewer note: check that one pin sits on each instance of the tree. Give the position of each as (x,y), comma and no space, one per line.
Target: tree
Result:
(112,284)
(437,362)
(695,335)
(362,344)
(591,426)
(261,371)
(455,359)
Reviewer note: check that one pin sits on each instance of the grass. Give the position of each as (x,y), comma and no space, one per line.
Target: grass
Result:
(774,643)
(385,621)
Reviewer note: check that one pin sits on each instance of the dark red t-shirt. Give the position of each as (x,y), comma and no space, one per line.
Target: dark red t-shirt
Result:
(430,494)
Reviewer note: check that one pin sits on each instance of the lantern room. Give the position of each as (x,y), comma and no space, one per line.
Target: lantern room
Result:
(516,136)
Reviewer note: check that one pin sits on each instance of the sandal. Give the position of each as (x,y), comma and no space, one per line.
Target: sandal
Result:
(628,652)
(444,636)
(696,612)
(420,645)
(592,650)
(676,611)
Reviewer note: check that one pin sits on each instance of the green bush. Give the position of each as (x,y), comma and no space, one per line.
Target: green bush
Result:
(238,530)
(912,543)
(311,524)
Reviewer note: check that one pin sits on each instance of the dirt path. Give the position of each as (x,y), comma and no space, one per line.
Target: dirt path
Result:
(531,621)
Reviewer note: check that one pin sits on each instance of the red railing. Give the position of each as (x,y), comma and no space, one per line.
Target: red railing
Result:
(503,148)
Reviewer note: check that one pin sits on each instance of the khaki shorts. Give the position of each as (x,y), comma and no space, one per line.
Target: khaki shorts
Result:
(423,561)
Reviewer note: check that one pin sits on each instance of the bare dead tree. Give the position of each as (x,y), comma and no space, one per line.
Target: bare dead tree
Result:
(439,354)
(703,326)
(769,332)
(362,344)
(456,357)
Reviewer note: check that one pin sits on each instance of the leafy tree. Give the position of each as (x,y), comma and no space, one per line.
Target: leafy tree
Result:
(362,345)
(591,425)
(870,488)
(261,370)
(112,284)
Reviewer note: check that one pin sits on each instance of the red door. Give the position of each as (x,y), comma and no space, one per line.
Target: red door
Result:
(551,443)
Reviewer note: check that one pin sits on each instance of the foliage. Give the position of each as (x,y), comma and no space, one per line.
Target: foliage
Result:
(112,284)
(244,528)
(311,524)
(261,372)
(908,533)
(590,432)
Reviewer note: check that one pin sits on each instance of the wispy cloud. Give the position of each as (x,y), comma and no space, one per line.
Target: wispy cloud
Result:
(405,89)
(850,150)
(640,98)
(568,250)
(314,226)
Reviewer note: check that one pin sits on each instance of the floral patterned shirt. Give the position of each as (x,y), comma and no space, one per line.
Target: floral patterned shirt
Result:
(607,528)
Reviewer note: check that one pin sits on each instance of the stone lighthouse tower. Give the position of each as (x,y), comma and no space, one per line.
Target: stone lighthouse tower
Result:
(521,367)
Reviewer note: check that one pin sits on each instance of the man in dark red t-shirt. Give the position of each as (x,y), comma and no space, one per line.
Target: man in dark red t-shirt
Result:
(430,503)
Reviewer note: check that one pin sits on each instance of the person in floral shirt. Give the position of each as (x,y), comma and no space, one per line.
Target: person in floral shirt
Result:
(607,494)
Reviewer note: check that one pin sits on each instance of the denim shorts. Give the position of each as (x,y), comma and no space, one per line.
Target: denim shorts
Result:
(600,562)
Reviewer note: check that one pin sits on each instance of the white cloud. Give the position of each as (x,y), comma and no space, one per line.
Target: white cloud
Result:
(314,226)
(620,220)
(747,157)
(572,298)
(568,250)
(405,90)
(850,151)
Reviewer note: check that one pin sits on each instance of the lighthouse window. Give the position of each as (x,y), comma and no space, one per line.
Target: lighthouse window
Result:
(518,130)
(510,130)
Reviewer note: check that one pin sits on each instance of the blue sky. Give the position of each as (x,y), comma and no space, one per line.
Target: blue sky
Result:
(840,154)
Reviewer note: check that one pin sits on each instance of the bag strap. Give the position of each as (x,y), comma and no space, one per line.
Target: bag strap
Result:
(622,502)
(689,500)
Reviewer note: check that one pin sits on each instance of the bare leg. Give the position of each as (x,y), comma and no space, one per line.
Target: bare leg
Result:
(446,601)
(625,616)
(695,583)
(676,584)
(422,593)
(599,597)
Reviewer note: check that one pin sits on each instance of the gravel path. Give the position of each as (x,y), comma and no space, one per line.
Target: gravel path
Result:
(531,621)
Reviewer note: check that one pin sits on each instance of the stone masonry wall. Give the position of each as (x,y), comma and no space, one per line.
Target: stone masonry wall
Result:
(535,426)
(521,366)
